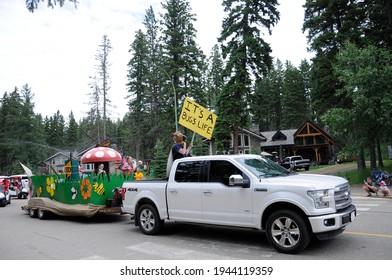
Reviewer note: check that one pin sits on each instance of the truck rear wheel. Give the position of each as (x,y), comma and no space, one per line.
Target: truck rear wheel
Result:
(287,231)
(42,214)
(33,213)
(148,220)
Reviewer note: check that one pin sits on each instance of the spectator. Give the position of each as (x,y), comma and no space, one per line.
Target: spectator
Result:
(370,187)
(127,167)
(138,174)
(384,188)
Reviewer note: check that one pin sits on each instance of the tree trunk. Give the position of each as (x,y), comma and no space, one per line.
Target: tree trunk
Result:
(235,140)
(379,154)
(372,153)
(360,158)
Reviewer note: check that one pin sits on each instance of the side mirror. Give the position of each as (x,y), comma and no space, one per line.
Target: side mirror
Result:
(238,180)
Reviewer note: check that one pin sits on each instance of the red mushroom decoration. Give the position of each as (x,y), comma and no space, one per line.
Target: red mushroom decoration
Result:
(101,154)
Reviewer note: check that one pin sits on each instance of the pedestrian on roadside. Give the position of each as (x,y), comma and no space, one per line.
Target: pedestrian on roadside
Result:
(384,188)
(370,187)
(138,174)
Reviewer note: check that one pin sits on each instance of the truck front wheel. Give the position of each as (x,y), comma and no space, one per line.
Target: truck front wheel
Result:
(287,231)
(148,220)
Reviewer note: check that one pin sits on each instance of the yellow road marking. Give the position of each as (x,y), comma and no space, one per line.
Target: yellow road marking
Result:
(369,234)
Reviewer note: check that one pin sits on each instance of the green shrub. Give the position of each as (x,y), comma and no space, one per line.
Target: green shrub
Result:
(357,176)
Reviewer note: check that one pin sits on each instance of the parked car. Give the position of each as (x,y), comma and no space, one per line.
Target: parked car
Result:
(295,162)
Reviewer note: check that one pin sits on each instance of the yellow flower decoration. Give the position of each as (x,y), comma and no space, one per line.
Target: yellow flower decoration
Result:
(39,191)
(86,188)
(100,190)
(50,186)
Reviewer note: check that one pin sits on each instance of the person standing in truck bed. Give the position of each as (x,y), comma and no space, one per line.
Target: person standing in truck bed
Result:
(179,149)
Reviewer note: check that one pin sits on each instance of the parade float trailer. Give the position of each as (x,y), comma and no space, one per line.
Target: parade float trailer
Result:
(76,194)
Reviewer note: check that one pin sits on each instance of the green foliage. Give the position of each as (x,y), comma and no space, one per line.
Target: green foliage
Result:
(266,103)
(364,73)
(294,102)
(247,56)
(32,5)
(160,160)
(238,82)
(356,177)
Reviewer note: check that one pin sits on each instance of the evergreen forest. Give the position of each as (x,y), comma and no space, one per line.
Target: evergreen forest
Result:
(345,88)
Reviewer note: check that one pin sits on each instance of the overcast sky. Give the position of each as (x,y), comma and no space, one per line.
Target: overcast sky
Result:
(53,50)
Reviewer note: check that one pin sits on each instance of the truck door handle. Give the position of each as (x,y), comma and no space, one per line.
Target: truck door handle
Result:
(173,191)
(207,192)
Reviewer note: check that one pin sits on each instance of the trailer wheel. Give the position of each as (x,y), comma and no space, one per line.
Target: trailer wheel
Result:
(33,213)
(42,214)
(287,231)
(149,220)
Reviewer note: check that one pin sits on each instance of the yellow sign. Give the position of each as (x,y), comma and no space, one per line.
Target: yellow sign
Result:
(68,169)
(197,118)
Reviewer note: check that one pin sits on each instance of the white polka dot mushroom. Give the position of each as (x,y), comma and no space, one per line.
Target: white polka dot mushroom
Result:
(101,154)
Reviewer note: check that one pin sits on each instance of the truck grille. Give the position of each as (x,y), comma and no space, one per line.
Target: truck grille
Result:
(342,196)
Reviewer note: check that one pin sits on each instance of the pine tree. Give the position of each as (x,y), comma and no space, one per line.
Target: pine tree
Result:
(137,87)
(55,131)
(214,77)
(160,160)
(94,115)
(104,78)
(294,102)
(183,59)
(32,5)
(248,57)
(72,131)
(265,106)
(330,24)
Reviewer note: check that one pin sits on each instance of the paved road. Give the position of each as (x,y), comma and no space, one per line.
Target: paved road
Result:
(369,238)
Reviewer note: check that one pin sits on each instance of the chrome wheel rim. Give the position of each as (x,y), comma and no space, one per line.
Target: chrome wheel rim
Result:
(285,232)
(41,213)
(147,220)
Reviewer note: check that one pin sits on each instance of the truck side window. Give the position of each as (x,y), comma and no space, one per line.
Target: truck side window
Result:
(221,170)
(188,171)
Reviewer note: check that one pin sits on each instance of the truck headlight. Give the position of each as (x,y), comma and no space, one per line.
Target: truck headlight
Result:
(321,198)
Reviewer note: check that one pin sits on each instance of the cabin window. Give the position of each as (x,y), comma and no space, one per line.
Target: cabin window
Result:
(188,171)
(221,170)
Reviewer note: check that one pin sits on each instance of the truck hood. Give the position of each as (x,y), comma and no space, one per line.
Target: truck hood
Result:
(316,181)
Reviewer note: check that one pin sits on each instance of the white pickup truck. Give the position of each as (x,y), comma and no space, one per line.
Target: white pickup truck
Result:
(295,162)
(246,191)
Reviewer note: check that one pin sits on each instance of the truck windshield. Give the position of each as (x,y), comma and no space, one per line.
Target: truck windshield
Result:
(263,167)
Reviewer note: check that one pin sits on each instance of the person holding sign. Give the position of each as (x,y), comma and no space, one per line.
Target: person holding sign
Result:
(179,149)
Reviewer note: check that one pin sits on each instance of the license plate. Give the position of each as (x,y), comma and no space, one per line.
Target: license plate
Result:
(353,214)
(349,217)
